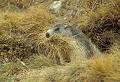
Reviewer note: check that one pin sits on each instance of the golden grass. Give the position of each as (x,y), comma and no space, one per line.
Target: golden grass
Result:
(16,4)
(27,56)
(105,68)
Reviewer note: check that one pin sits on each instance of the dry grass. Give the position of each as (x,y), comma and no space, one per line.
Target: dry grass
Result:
(17,4)
(27,56)
(105,68)
(95,70)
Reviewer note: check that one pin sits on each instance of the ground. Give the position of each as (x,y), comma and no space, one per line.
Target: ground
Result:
(27,56)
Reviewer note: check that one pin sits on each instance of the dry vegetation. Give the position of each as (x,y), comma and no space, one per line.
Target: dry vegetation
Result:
(27,56)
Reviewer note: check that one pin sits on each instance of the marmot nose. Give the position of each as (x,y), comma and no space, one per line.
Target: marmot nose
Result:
(47,35)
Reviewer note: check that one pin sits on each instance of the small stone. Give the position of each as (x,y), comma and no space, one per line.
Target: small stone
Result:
(56,6)
(64,18)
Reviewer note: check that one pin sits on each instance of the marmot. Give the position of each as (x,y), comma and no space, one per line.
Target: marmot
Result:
(87,48)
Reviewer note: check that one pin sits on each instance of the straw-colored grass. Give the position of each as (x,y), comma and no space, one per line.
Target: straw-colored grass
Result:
(26,55)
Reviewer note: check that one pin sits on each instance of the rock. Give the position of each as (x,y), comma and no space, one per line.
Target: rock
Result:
(41,1)
(55,7)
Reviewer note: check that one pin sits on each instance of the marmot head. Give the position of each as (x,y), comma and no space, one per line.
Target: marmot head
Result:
(62,29)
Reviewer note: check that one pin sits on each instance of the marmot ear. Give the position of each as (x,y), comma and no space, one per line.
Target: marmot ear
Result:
(66,26)
(57,29)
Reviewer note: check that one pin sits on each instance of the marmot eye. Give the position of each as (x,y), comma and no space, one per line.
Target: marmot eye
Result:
(57,29)
(66,27)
